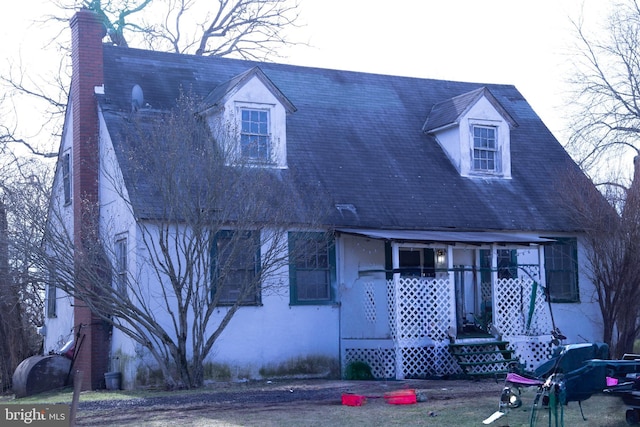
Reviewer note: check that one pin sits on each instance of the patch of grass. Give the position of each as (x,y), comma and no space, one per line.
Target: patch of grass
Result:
(66,394)
(217,372)
(312,366)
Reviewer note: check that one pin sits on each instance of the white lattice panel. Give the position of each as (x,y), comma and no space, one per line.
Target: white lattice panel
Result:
(444,362)
(440,308)
(412,306)
(424,309)
(420,312)
(391,307)
(531,351)
(512,305)
(485,291)
(428,361)
(369,302)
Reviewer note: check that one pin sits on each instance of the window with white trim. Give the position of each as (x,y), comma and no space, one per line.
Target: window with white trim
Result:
(121,265)
(485,149)
(255,138)
(52,293)
(66,177)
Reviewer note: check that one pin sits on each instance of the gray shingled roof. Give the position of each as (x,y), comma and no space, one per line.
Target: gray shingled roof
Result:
(357,139)
(450,111)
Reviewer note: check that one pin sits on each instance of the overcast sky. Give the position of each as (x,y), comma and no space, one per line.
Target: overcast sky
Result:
(520,42)
(524,43)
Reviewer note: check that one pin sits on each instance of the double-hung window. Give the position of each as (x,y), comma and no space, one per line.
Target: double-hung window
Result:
(312,268)
(255,141)
(51,293)
(66,177)
(236,268)
(121,265)
(561,268)
(485,149)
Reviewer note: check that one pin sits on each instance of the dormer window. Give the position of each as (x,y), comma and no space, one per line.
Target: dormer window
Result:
(485,149)
(248,118)
(474,130)
(254,135)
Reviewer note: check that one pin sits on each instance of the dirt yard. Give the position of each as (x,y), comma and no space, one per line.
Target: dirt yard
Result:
(310,402)
(318,403)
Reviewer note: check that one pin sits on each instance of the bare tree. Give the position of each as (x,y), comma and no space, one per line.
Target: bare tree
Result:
(22,207)
(606,130)
(606,123)
(214,233)
(611,239)
(250,29)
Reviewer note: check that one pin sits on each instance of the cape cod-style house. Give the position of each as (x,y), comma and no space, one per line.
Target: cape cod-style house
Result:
(447,217)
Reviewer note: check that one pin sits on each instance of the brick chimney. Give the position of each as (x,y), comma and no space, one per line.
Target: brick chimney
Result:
(92,335)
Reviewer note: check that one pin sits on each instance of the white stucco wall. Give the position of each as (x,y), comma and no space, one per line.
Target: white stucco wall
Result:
(277,333)
(265,336)
(59,329)
(363,289)
(117,222)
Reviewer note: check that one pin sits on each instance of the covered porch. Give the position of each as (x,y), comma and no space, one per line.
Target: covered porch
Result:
(441,295)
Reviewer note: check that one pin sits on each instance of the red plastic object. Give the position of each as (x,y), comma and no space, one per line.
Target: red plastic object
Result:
(401,397)
(351,399)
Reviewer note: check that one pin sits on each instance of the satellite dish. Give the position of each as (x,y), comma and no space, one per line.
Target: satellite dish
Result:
(137,98)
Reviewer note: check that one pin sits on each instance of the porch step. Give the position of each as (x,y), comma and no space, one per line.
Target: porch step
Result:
(505,353)
(483,357)
(487,362)
(478,342)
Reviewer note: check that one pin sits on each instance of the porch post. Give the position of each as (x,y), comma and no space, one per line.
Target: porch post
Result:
(495,292)
(542,275)
(397,327)
(453,328)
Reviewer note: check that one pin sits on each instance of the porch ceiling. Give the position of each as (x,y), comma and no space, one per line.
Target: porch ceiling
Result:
(467,237)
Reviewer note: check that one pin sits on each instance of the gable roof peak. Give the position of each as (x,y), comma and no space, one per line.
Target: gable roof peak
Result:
(449,112)
(221,92)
